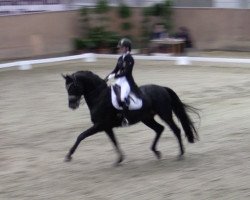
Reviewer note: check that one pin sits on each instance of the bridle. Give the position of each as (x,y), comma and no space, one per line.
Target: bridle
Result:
(74,83)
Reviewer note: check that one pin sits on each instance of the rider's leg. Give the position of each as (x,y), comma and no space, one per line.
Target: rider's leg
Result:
(125,89)
(125,110)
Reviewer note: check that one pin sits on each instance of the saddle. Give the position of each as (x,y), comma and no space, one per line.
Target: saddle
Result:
(133,102)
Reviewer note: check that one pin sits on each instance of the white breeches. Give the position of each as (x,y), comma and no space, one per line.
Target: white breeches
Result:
(125,88)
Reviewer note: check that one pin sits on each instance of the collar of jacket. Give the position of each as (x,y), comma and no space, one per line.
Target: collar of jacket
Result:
(128,52)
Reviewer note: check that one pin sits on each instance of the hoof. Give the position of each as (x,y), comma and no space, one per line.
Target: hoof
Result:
(121,158)
(158,154)
(180,157)
(68,158)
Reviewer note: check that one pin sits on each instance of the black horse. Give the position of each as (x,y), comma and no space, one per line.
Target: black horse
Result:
(157,100)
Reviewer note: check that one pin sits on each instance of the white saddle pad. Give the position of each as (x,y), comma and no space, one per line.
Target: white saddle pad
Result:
(135,102)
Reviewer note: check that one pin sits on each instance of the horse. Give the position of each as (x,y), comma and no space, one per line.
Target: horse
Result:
(157,100)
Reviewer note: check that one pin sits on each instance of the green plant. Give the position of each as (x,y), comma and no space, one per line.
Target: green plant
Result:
(97,35)
(102,7)
(124,11)
(83,44)
(78,44)
(84,20)
(157,9)
(126,26)
(147,11)
(167,14)
(145,27)
(112,40)
(162,12)
(94,26)
(88,44)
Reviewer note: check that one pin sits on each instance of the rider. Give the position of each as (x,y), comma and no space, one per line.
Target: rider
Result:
(123,76)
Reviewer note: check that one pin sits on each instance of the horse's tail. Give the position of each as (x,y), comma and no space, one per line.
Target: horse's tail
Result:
(180,110)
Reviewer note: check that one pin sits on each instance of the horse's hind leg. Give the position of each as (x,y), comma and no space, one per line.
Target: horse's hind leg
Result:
(151,123)
(177,133)
(111,135)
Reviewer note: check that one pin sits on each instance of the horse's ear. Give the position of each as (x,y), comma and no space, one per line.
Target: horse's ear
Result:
(67,77)
(64,76)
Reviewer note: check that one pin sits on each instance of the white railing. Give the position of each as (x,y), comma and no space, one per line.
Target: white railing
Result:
(133,3)
(231,3)
(90,57)
(176,3)
(27,6)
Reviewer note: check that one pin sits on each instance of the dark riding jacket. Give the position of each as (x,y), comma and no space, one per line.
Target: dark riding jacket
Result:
(124,67)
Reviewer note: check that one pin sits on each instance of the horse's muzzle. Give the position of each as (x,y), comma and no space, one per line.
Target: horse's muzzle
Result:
(74,102)
(73,106)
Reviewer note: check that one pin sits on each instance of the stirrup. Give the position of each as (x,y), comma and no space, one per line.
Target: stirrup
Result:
(125,122)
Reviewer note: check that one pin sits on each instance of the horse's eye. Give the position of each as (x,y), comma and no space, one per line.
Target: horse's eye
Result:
(72,89)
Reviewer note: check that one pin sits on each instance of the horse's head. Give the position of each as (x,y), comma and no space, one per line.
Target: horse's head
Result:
(83,83)
(74,94)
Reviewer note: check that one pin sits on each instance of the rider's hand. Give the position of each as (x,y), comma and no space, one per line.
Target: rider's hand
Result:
(111,76)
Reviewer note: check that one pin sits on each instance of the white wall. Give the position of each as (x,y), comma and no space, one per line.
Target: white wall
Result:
(232,3)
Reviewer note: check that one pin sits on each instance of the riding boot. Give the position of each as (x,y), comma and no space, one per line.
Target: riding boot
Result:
(125,110)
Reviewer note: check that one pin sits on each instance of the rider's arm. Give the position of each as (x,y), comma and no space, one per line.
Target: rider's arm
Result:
(115,70)
(128,67)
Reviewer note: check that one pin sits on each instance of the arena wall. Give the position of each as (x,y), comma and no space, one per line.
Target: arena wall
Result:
(45,34)
(219,29)
(37,35)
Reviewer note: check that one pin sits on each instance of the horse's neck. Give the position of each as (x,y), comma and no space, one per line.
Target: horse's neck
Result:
(92,87)
(93,95)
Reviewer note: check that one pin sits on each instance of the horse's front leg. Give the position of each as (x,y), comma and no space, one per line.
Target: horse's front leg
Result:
(111,135)
(91,131)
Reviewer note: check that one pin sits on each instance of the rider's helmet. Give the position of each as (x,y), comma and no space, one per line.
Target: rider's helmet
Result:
(125,42)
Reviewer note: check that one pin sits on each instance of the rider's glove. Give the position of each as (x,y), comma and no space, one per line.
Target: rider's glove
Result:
(111,76)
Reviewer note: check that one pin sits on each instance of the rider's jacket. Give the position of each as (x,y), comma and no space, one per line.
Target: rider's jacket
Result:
(124,67)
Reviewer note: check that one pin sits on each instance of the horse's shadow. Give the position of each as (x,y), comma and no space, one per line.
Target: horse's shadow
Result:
(139,168)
